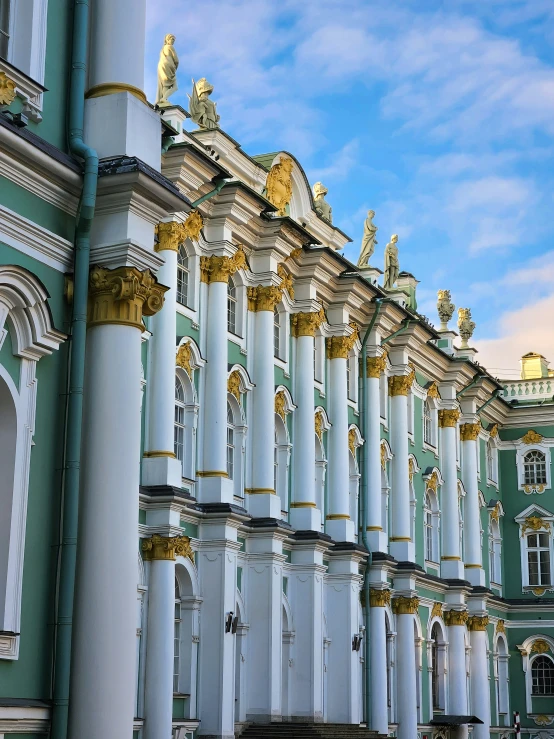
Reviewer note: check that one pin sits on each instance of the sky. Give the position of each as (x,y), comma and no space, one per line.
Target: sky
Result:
(439,116)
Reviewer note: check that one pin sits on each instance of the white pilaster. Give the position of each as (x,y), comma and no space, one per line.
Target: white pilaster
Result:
(402,547)
(474,571)
(376,536)
(451,560)
(406,667)
(479,676)
(378,661)
(457,670)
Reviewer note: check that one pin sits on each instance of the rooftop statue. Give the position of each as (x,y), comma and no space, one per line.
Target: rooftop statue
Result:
(368,240)
(202,109)
(167,71)
(278,186)
(466,326)
(322,207)
(445,308)
(392,266)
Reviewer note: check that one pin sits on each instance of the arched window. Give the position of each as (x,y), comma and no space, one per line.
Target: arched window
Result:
(231,306)
(281,460)
(495,552)
(461,521)
(491,555)
(538,559)
(428,423)
(534,468)
(176,638)
(428,524)
(179,422)
(542,676)
(491,470)
(276,333)
(320,471)
(230,442)
(435,668)
(183,272)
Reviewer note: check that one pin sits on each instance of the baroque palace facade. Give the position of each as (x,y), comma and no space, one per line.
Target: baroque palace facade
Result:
(241,482)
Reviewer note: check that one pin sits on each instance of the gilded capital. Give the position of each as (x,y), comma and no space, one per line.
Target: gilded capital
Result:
(455,618)
(306,324)
(339,347)
(219,269)
(403,605)
(166,547)
(401,384)
(264,297)
(7,89)
(123,296)
(375,366)
(500,627)
(437,610)
(448,418)
(477,623)
(170,234)
(469,431)
(379,598)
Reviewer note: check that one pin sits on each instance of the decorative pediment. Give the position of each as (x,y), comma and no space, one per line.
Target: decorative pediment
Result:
(433,479)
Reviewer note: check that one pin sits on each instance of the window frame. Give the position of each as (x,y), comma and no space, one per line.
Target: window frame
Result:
(186,270)
(522,450)
(532,662)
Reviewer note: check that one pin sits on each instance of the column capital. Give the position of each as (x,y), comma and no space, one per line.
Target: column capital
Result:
(219,269)
(166,547)
(401,384)
(375,366)
(455,618)
(264,297)
(123,296)
(170,234)
(306,324)
(403,605)
(477,623)
(469,431)
(448,417)
(339,347)
(379,598)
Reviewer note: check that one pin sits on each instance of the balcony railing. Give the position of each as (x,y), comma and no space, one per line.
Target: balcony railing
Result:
(529,390)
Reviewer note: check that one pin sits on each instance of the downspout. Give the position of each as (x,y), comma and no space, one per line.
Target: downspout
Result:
(362,513)
(72,462)
(400,331)
(471,384)
(494,396)
(218,182)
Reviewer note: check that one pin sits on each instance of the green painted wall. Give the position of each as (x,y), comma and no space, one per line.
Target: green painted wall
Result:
(35,209)
(185,328)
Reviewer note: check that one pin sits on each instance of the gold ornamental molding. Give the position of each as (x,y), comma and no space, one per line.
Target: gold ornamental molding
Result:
(193,225)
(112,88)
(433,391)
(493,433)
(183,358)
(318,420)
(534,523)
(383,452)
(263,297)
(233,384)
(540,646)
(123,296)
(280,403)
(437,610)
(401,384)
(7,89)
(352,442)
(433,482)
(477,623)
(306,324)
(448,418)
(287,280)
(339,347)
(375,366)
(379,598)
(403,606)
(500,627)
(278,186)
(469,431)
(495,513)
(456,618)
(219,269)
(531,437)
(170,235)
(167,548)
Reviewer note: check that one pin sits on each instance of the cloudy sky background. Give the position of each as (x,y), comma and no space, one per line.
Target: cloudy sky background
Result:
(437,115)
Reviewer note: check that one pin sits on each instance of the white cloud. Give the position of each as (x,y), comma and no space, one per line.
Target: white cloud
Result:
(341,165)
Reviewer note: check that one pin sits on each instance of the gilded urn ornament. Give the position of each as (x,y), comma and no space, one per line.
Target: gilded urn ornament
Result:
(466,326)
(445,308)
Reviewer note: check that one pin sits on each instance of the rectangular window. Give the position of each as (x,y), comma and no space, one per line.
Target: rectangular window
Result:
(176,646)
(230,453)
(538,559)
(178,432)
(276,334)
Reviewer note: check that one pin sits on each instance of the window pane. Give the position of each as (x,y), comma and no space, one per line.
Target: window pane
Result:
(543,540)
(532,540)
(545,568)
(533,568)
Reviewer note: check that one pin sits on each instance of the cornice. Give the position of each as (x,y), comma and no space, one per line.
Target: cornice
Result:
(35,241)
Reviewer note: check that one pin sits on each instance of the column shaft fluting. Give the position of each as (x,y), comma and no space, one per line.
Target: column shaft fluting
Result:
(378,662)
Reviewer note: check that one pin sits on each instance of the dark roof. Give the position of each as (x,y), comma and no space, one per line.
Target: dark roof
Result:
(454,720)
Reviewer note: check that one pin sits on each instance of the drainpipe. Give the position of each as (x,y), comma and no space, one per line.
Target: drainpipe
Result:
(362,511)
(218,182)
(471,384)
(73,429)
(400,331)
(494,396)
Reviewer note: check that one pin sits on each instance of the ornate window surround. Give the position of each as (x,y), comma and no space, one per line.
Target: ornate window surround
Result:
(544,445)
(529,650)
(547,519)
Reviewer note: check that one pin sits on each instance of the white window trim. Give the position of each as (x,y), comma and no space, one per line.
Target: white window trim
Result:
(442,665)
(548,519)
(283,360)
(432,446)
(384,402)
(192,308)
(521,451)
(491,475)
(526,659)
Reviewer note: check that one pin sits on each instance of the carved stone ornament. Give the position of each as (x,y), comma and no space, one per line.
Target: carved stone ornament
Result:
(321,206)
(433,482)
(437,610)
(375,366)
(433,391)
(383,456)
(495,513)
(493,433)
(455,618)
(278,186)
(411,469)
(500,627)
(306,324)
(287,280)
(233,384)
(466,326)
(379,598)
(263,297)
(318,419)
(477,623)
(448,418)
(401,384)
(193,225)
(184,355)
(170,234)
(167,548)
(339,347)
(219,269)
(469,431)
(7,89)
(538,592)
(531,437)
(352,441)
(123,296)
(534,523)
(445,308)
(280,402)
(404,606)
(540,646)
(543,720)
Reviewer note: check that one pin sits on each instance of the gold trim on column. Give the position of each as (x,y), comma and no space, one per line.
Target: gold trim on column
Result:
(373,528)
(211,473)
(448,418)
(260,491)
(477,623)
(450,558)
(306,324)
(170,234)
(159,453)
(123,296)
(404,606)
(339,347)
(401,384)
(7,89)
(469,431)
(400,538)
(472,567)
(375,366)
(337,517)
(455,618)
(219,269)
(263,298)
(112,88)
(437,610)
(166,548)
(379,598)
(303,505)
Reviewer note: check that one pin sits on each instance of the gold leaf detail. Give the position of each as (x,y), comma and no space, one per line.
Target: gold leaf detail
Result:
(278,186)
(379,598)
(375,366)
(233,384)
(403,605)
(306,324)
(184,355)
(287,280)
(280,401)
(531,437)
(448,418)
(437,610)
(540,646)
(7,89)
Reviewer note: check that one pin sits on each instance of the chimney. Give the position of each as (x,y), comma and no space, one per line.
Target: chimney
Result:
(533,366)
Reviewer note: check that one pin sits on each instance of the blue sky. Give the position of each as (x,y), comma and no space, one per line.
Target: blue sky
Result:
(437,115)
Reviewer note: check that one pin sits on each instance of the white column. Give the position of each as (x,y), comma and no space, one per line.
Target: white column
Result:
(402,547)
(378,661)
(372,455)
(457,671)
(159,466)
(451,560)
(304,515)
(479,675)
(263,501)
(406,709)
(338,523)
(158,689)
(469,433)
(104,639)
